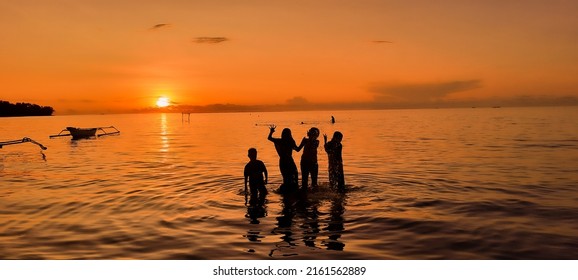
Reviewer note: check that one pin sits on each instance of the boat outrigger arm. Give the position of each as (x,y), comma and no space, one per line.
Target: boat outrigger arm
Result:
(23,140)
(79,133)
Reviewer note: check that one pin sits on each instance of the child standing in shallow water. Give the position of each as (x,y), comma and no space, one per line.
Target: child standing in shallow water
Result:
(335,161)
(284,147)
(254,171)
(309,158)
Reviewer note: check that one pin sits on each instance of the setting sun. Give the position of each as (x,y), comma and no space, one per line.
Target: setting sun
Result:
(163,102)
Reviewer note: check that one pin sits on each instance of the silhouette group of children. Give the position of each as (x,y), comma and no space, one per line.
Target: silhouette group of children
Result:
(256,173)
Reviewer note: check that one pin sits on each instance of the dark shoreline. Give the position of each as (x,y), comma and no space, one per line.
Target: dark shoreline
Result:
(8,109)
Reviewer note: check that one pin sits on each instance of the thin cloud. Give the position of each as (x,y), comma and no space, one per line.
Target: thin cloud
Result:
(297,100)
(381,42)
(160,26)
(210,40)
(423,91)
(84,100)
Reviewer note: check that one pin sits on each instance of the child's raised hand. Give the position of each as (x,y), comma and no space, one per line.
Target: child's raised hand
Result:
(272,127)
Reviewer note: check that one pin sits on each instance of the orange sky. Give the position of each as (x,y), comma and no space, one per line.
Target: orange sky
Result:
(93,56)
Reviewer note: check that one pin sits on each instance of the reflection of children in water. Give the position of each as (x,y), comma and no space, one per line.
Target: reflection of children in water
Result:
(301,219)
(335,161)
(284,226)
(309,158)
(309,210)
(254,171)
(284,147)
(335,226)
(256,210)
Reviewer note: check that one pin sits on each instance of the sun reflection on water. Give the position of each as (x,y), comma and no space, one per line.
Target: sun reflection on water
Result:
(164,134)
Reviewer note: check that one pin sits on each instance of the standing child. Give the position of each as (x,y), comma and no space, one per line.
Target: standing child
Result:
(254,171)
(309,158)
(284,147)
(335,161)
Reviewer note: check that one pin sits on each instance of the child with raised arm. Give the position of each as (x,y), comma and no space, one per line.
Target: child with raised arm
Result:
(256,175)
(309,164)
(335,161)
(284,147)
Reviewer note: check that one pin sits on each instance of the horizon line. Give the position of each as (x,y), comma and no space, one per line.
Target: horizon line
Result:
(160,110)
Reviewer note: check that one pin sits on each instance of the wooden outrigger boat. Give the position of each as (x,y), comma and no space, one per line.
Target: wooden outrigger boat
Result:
(20,141)
(83,133)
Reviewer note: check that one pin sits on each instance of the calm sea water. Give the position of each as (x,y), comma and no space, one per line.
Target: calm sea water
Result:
(422,184)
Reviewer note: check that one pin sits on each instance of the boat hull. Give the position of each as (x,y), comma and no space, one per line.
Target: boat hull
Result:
(81,133)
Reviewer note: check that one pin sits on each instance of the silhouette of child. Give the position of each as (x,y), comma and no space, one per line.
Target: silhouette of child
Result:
(309,158)
(254,171)
(284,147)
(335,161)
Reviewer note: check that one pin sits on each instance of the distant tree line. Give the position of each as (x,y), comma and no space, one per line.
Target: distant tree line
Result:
(8,109)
